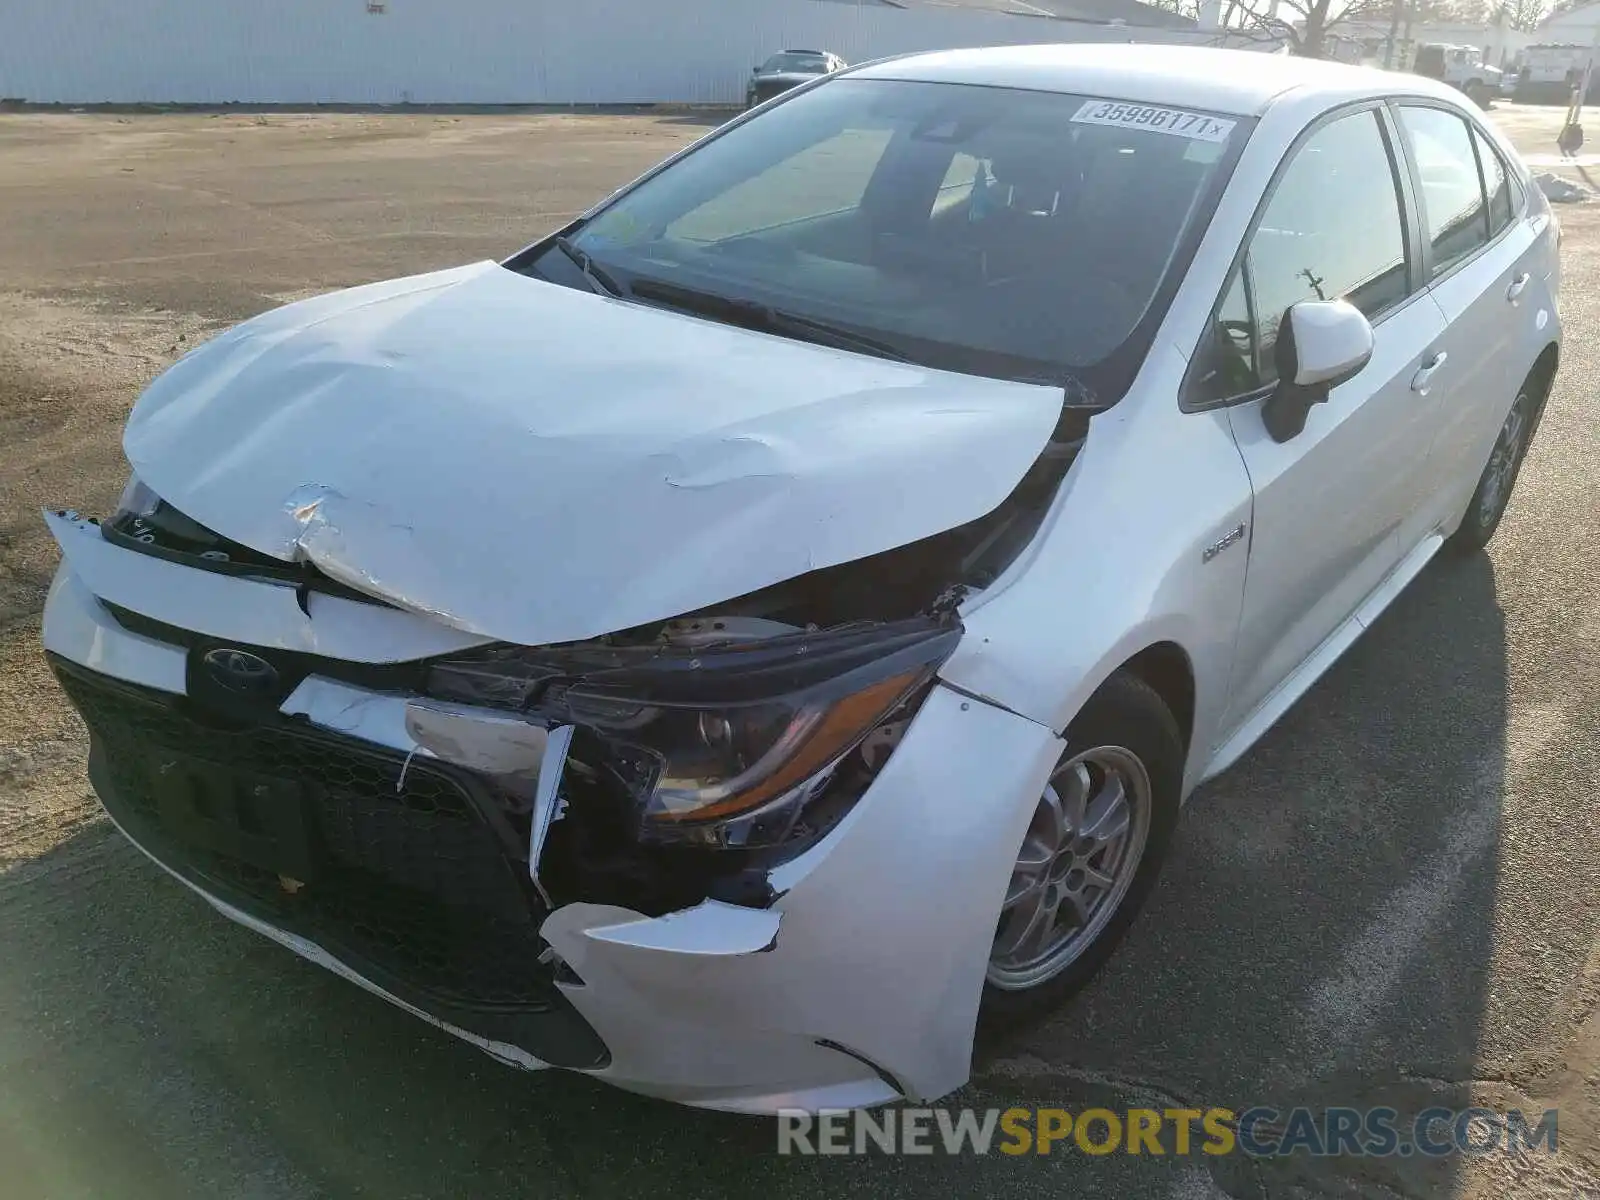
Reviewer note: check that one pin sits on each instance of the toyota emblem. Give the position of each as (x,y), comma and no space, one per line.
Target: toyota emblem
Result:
(240,671)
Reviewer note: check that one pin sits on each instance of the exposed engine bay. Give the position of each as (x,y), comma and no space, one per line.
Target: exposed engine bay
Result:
(769,662)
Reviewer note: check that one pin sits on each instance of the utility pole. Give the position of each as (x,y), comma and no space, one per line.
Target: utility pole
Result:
(1394,30)
(1399,11)
(1588,68)
(1570,140)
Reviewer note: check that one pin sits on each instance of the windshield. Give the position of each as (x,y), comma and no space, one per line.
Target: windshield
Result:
(810,64)
(1015,234)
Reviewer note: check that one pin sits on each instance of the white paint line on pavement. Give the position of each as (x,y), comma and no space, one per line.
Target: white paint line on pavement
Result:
(1346,1001)
(1557,160)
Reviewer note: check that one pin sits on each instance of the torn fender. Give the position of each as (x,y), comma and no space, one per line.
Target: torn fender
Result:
(879,941)
(537,464)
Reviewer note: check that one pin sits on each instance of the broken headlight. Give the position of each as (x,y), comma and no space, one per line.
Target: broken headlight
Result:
(725,746)
(714,765)
(138,501)
(143,520)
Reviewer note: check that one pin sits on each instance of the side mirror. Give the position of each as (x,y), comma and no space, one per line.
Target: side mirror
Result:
(1321,344)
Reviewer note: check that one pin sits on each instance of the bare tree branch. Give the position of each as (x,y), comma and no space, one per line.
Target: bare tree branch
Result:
(1525,14)
(1183,8)
(1308,23)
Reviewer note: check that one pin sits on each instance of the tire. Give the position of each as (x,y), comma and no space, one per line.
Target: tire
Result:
(1479,94)
(1493,493)
(1125,727)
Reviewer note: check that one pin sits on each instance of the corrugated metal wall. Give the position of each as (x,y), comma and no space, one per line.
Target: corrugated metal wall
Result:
(459,51)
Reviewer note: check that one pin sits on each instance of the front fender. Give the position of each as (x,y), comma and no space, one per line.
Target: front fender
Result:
(1141,546)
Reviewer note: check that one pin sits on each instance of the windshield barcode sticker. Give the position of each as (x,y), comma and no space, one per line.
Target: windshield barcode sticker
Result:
(1195,126)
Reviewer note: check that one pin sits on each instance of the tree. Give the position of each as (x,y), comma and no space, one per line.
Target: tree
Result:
(1459,12)
(1303,24)
(1525,14)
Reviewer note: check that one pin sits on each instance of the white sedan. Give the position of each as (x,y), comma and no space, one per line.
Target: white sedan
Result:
(744,642)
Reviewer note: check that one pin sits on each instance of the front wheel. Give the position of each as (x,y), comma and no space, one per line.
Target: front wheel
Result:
(1091,855)
(1478,92)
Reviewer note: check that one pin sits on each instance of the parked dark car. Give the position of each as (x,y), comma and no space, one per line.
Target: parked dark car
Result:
(787,69)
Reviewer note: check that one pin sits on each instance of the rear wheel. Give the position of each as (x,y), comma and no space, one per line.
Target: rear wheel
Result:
(1091,854)
(1493,493)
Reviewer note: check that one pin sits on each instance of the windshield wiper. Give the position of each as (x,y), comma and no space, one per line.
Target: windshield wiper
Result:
(752,314)
(825,332)
(598,278)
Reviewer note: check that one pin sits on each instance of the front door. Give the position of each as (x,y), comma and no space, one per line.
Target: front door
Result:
(1331,501)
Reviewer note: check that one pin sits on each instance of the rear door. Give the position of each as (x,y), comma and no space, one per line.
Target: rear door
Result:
(1330,502)
(1478,262)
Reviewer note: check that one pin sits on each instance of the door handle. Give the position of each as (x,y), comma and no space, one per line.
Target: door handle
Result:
(1424,376)
(1517,284)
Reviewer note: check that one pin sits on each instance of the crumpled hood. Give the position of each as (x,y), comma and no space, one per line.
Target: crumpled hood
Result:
(538,464)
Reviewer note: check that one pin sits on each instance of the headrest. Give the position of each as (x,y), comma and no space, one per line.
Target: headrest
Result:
(1035,171)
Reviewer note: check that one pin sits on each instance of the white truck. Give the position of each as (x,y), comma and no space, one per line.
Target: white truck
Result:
(1550,70)
(1462,67)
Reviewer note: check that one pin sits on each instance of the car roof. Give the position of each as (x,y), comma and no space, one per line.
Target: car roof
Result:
(1242,82)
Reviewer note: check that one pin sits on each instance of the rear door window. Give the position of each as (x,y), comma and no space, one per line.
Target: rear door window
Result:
(1496,183)
(1455,214)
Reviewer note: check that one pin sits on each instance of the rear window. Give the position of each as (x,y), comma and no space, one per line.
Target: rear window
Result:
(996,231)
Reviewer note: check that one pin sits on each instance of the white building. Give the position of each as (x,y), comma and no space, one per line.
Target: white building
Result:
(1575,26)
(497,51)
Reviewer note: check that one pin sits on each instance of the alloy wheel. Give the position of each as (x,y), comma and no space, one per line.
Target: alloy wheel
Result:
(1077,862)
(1503,463)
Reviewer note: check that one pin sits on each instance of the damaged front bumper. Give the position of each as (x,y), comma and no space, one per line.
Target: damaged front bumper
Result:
(856,981)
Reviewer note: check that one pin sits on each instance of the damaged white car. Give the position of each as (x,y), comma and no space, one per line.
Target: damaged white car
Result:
(743,642)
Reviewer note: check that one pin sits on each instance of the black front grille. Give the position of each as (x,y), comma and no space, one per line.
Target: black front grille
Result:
(410,884)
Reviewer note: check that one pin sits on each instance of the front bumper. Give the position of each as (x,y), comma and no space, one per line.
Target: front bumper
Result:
(410,890)
(858,985)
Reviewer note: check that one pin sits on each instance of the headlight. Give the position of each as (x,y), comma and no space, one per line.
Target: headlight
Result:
(720,746)
(137,502)
(143,520)
(715,763)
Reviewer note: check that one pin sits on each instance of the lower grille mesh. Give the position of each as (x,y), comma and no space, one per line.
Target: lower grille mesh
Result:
(410,880)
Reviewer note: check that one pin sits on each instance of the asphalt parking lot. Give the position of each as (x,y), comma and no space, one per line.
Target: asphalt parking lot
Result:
(1394,899)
